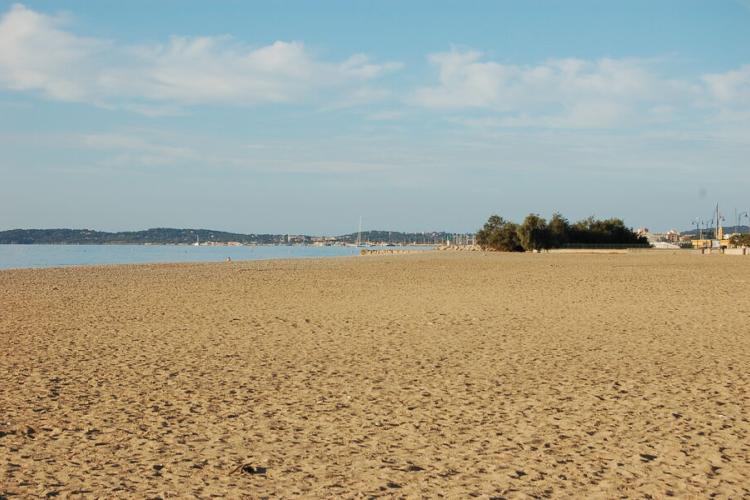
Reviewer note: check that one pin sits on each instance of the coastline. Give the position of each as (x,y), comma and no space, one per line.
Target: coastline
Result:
(45,256)
(407,375)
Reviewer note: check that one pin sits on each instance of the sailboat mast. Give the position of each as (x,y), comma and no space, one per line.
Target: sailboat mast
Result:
(359,232)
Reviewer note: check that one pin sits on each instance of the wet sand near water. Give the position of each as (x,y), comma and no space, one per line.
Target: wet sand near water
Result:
(453,374)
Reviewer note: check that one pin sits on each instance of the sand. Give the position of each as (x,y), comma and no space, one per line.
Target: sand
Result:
(454,374)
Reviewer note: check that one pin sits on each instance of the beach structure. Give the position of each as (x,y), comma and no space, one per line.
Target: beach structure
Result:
(718,241)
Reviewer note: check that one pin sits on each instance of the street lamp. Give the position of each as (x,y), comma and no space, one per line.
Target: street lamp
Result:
(697,224)
(703,224)
(739,218)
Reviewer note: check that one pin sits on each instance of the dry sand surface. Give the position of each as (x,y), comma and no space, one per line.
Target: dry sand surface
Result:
(451,374)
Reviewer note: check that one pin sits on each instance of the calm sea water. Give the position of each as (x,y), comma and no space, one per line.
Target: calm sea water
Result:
(20,256)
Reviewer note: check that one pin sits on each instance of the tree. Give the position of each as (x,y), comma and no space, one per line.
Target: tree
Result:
(487,236)
(604,232)
(558,230)
(500,235)
(534,233)
(509,240)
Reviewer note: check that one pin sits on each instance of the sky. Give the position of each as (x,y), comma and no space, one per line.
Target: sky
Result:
(302,117)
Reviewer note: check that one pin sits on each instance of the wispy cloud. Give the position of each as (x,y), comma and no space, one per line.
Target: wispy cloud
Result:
(128,150)
(142,148)
(37,53)
(386,115)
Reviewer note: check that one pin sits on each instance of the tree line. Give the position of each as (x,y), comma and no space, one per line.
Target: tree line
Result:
(536,233)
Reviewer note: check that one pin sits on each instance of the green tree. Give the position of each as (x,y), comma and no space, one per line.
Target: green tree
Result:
(559,227)
(509,239)
(603,232)
(489,236)
(534,233)
(500,235)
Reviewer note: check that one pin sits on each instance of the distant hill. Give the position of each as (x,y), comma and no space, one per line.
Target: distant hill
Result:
(727,230)
(155,236)
(171,236)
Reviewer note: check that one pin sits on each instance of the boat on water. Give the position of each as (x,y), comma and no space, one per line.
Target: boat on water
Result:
(359,234)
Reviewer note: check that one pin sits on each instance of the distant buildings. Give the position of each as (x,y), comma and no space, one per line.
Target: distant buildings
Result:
(671,236)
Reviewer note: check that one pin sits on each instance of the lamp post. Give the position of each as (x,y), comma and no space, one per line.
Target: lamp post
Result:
(739,218)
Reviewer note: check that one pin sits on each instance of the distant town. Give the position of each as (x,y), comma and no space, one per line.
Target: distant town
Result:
(708,233)
(690,239)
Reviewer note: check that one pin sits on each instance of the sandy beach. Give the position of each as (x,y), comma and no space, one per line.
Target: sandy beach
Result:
(453,374)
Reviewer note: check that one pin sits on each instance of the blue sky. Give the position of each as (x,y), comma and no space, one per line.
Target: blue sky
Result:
(301,116)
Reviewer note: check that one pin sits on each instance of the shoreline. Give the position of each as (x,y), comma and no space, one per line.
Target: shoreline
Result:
(369,251)
(372,253)
(208,246)
(39,256)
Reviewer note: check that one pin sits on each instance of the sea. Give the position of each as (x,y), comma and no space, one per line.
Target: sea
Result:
(36,256)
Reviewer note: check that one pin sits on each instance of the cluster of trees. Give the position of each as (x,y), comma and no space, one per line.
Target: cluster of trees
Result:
(535,233)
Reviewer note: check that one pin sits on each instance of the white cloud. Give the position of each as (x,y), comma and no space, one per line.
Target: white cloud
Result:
(465,81)
(38,54)
(732,87)
(359,66)
(563,92)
